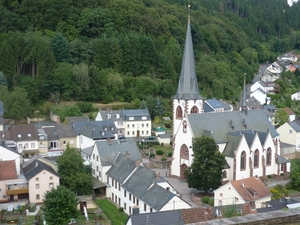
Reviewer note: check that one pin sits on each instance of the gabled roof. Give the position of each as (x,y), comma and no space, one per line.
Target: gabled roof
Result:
(108,150)
(219,124)
(70,120)
(251,189)
(277,204)
(88,151)
(23,132)
(115,115)
(122,168)
(172,217)
(34,167)
(188,85)
(8,170)
(51,133)
(96,129)
(65,131)
(295,125)
(137,113)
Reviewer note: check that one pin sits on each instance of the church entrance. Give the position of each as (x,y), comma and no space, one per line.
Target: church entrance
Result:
(183,168)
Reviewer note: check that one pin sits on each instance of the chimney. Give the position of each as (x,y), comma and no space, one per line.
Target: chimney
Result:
(136,210)
(157,175)
(137,162)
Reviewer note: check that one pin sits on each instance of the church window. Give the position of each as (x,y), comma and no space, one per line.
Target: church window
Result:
(224,174)
(194,110)
(184,152)
(243,160)
(178,112)
(184,126)
(269,152)
(256,158)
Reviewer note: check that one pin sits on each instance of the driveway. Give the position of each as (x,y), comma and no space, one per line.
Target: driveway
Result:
(180,186)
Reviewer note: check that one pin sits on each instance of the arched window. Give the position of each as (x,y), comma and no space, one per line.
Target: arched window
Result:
(194,110)
(256,158)
(269,154)
(178,112)
(184,126)
(224,174)
(184,152)
(243,160)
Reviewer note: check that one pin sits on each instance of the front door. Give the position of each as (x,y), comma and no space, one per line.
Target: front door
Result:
(183,168)
(11,198)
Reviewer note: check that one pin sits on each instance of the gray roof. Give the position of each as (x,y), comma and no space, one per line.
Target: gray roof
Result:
(34,167)
(214,103)
(188,85)
(122,168)
(295,125)
(1,108)
(164,135)
(225,105)
(114,115)
(88,151)
(71,120)
(51,133)
(172,217)
(108,150)
(277,204)
(65,131)
(281,160)
(42,124)
(96,129)
(136,113)
(219,124)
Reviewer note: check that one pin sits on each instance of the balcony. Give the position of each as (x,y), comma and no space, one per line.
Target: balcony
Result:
(14,189)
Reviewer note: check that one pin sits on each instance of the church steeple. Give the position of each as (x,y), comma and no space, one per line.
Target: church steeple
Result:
(188,85)
(244,103)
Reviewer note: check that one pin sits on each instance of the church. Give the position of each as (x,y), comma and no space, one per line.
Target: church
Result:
(247,139)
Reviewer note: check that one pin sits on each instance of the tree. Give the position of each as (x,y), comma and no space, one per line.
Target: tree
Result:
(3,80)
(295,172)
(72,172)
(60,205)
(159,108)
(281,117)
(205,172)
(60,48)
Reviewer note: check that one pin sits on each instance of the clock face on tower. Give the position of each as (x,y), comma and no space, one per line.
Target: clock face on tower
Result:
(184,152)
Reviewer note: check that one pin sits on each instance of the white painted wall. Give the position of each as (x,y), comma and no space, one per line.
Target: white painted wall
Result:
(6,155)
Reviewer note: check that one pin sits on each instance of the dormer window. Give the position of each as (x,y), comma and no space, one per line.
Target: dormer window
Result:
(112,128)
(19,135)
(29,135)
(103,133)
(105,128)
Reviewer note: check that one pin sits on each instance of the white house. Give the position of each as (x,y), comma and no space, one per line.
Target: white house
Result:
(250,190)
(6,154)
(260,95)
(290,133)
(270,77)
(275,68)
(134,186)
(288,57)
(258,85)
(296,96)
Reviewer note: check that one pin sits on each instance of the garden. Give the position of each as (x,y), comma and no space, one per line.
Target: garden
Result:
(12,215)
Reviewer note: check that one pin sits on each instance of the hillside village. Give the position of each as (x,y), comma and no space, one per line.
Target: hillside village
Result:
(254,151)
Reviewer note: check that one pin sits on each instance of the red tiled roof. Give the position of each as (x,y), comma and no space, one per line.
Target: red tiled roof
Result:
(8,170)
(194,215)
(247,187)
(289,111)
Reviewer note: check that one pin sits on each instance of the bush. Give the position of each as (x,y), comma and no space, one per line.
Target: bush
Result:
(162,144)
(152,155)
(121,209)
(205,199)
(211,202)
(159,151)
(279,191)
(170,154)
(270,177)
(163,159)
(151,144)
(85,107)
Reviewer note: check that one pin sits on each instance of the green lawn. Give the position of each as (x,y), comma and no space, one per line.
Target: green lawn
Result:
(112,212)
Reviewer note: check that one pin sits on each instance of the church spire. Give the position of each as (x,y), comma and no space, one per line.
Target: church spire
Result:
(188,85)
(244,103)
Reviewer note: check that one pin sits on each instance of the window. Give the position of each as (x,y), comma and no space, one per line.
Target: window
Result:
(132,125)
(26,146)
(129,210)
(37,197)
(243,160)
(19,135)
(145,207)
(194,110)
(119,201)
(124,193)
(97,168)
(112,196)
(218,212)
(147,132)
(220,203)
(29,135)
(37,179)
(137,202)
(221,195)
(283,168)
(119,186)
(129,197)
(142,125)
(133,199)
(20,146)
(269,152)
(184,126)
(184,152)
(224,174)
(132,132)
(64,142)
(4,196)
(256,158)
(151,209)
(32,145)
(147,125)
(128,125)
(124,206)
(93,171)
(107,180)
(128,133)
(116,197)
(144,117)
(93,156)
(178,112)
(37,186)
(51,178)
(97,159)
(142,132)
(131,118)
(50,185)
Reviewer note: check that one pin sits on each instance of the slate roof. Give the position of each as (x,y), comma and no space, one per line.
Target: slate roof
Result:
(115,115)
(70,120)
(164,135)
(187,84)
(225,105)
(65,131)
(95,129)
(136,113)
(214,103)
(88,151)
(277,204)
(219,124)
(246,186)
(172,217)
(8,170)
(295,125)
(23,132)
(51,133)
(281,160)
(34,167)
(108,150)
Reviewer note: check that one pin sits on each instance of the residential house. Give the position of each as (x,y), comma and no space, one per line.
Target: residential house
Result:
(275,68)
(290,68)
(260,95)
(159,130)
(292,115)
(69,120)
(91,131)
(258,85)
(277,204)
(41,178)
(253,103)
(164,139)
(247,138)
(66,135)
(7,154)
(130,123)
(290,133)
(250,190)
(288,57)
(54,144)
(86,154)
(104,154)
(269,77)
(43,142)
(26,138)
(296,96)
(214,105)
(1,116)
(133,186)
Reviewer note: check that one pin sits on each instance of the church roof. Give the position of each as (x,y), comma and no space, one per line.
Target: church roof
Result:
(220,123)
(188,85)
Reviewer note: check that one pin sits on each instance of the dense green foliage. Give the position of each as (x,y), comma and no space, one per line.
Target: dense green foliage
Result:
(295,172)
(73,173)
(126,50)
(205,172)
(60,205)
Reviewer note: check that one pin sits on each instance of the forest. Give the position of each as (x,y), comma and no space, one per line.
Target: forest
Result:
(120,50)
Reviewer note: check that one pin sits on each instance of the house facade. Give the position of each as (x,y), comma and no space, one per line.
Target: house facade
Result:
(7,154)
(66,135)
(290,133)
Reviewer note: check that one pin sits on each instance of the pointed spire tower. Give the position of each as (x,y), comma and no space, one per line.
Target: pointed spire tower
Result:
(244,107)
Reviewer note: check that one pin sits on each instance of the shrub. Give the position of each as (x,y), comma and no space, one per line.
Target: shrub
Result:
(163,159)
(205,199)
(152,155)
(270,177)
(162,144)
(85,107)
(159,151)
(279,191)
(121,209)
(211,202)
(170,154)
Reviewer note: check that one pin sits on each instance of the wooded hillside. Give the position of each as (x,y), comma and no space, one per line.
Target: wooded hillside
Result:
(107,50)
